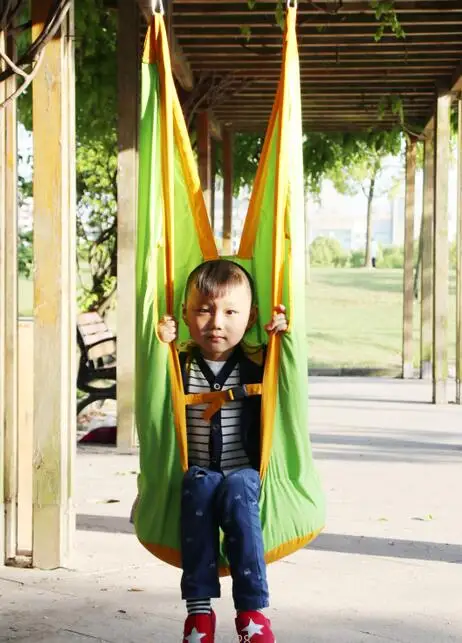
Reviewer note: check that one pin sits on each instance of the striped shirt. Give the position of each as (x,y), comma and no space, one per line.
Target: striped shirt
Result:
(232,454)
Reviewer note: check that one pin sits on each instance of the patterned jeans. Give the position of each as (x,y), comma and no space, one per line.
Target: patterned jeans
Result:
(209,501)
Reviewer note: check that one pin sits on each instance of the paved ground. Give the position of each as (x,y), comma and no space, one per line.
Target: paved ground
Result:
(387,568)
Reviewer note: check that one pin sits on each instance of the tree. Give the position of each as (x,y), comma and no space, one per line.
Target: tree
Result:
(361,170)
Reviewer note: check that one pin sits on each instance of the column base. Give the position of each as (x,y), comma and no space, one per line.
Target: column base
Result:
(440,392)
(426,370)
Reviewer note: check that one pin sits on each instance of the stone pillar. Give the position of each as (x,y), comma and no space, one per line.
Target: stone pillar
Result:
(408,281)
(127,189)
(54,294)
(441,251)
(426,297)
(459,259)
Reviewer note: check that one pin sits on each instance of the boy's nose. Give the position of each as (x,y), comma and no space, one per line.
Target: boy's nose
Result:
(218,320)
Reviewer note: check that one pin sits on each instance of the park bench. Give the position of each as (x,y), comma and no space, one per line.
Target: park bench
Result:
(97,366)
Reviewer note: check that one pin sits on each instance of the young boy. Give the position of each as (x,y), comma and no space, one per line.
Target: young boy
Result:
(222,485)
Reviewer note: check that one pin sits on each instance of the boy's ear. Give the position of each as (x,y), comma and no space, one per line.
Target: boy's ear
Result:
(252,317)
(183,314)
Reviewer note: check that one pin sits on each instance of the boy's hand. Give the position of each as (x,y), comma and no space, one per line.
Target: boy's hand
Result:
(167,329)
(278,323)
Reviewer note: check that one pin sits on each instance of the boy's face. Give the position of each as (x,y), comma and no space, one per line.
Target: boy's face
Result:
(217,324)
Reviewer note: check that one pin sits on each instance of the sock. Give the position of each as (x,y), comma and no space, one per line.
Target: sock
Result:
(199,606)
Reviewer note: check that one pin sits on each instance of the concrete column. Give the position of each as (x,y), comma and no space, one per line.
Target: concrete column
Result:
(426,298)
(11,322)
(441,251)
(408,282)
(2,302)
(127,188)
(459,260)
(54,294)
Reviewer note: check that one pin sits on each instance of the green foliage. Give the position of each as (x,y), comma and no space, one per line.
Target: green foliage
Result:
(391,103)
(356,258)
(246,31)
(386,15)
(96,70)
(25,253)
(97,221)
(328,253)
(391,257)
(360,168)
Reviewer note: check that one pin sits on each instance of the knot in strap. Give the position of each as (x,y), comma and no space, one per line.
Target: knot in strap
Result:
(216,399)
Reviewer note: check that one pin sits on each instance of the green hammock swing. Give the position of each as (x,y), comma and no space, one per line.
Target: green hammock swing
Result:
(174,236)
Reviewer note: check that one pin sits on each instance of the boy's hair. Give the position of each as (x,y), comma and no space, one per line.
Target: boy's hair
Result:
(212,278)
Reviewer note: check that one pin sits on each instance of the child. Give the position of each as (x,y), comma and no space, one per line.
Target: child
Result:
(222,485)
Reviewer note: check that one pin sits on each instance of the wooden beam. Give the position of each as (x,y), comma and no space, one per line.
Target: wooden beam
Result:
(441,251)
(408,273)
(11,314)
(426,296)
(459,259)
(228,180)
(54,294)
(127,188)
(180,65)
(204,157)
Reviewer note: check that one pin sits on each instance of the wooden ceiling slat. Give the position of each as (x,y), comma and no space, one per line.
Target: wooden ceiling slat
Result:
(379,73)
(217,21)
(263,36)
(228,9)
(233,44)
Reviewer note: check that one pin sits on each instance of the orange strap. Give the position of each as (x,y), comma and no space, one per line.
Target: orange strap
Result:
(216,399)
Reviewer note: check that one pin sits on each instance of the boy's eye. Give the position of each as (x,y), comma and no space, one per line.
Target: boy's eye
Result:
(232,312)
(202,310)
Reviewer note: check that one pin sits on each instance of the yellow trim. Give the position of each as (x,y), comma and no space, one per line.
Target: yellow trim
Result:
(270,378)
(252,219)
(193,184)
(173,556)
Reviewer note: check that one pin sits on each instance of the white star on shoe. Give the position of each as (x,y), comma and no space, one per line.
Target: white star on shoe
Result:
(195,636)
(252,628)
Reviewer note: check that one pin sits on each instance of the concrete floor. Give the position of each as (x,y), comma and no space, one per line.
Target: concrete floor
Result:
(387,568)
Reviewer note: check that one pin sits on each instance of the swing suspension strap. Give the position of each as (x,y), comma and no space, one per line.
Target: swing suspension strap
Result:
(216,399)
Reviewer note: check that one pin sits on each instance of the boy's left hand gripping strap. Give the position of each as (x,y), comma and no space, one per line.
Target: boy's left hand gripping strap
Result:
(216,399)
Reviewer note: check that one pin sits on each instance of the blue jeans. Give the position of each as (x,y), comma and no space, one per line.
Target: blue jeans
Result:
(210,501)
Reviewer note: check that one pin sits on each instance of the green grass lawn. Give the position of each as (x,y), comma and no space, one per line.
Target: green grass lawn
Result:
(355,318)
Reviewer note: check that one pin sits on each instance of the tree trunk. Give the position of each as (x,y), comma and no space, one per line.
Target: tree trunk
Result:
(370,198)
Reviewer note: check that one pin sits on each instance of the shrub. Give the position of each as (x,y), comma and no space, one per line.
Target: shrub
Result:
(328,253)
(357,258)
(392,257)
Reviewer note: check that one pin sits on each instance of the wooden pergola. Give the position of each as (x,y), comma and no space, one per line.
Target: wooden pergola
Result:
(226,60)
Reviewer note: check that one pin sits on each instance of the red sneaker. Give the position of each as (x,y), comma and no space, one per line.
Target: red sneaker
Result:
(199,628)
(254,627)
